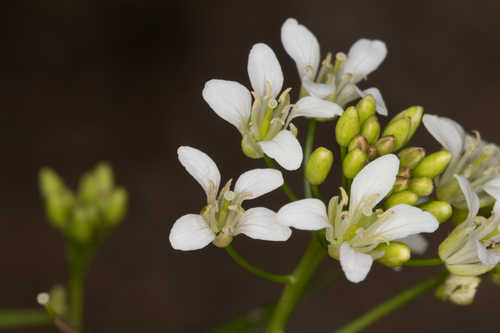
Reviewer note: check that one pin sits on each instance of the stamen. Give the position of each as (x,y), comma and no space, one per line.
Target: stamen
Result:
(328,60)
(284,95)
(229,196)
(269,90)
(385,215)
(344,196)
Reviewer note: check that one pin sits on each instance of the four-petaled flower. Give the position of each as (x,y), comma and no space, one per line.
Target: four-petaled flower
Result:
(355,234)
(223,217)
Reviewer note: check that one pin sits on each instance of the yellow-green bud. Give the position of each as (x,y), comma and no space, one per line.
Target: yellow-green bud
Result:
(104,177)
(459,215)
(448,191)
(353,162)
(411,156)
(372,153)
(421,186)
(58,301)
(371,129)
(319,165)
(88,189)
(395,254)
(50,183)
(115,206)
(58,208)
(401,184)
(84,221)
(385,145)
(432,165)
(415,114)
(359,142)
(250,148)
(348,126)
(403,197)
(441,210)
(366,108)
(458,289)
(404,172)
(399,129)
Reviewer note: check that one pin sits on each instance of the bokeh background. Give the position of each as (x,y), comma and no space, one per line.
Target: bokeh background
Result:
(84,81)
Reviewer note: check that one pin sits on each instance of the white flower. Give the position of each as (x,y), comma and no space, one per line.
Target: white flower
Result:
(472,158)
(223,217)
(264,124)
(473,247)
(354,235)
(363,58)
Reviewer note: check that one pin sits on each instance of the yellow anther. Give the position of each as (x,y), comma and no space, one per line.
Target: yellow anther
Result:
(328,60)
(385,215)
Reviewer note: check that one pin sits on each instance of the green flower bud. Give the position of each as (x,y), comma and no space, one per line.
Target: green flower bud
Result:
(58,300)
(104,177)
(372,153)
(385,145)
(459,215)
(411,156)
(115,206)
(448,191)
(395,254)
(399,129)
(250,147)
(401,184)
(403,197)
(404,172)
(50,183)
(366,108)
(415,114)
(348,126)
(83,224)
(88,189)
(421,186)
(58,208)
(371,129)
(495,275)
(353,162)
(319,165)
(432,165)
(359,142)
(441,210)
(458,289)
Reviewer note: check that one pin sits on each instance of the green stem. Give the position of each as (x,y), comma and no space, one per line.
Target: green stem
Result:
(343,151)
(78,259)
(311,132)
(316,192)
(288,191)
(293,291)
(424,262)
(256,271)
(394,303)
(24,318)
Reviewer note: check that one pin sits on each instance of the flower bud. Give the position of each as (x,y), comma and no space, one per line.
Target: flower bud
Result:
(318,166)
(449,190)
(347,126)
(441,210)
(372,153)
(385,145)
(415,114)
(411,156)
(404,172)
(366,108)
(50,183)
(395,254)
(403,197)
(104,177)
(421,186)
(88,189)
(58,300)
(250,147)
(432,165)
(459,215)
(359,142)
(83,223)
(58,209)
(458,289)
(371,129)
(400,129)
(115,207)
(401,184)
(353,162)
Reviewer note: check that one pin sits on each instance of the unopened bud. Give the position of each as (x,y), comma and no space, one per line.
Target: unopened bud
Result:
(319,165)
(115,207)
(83,224)
(88,189)
(58,208)
(348,126)
(401,184)
(441,210)
(58,300)
(372,153)
(432,165)
(411,156)
(399,129)
(395,254)
(366,108)
(421,186)
(104,177)
(250,147)
(50,183)
(223,240)
(353,162)
(449,190)
(371,129)
(404,172)
(458,289)
(403,197)
(359,142)
(385,145)
(459,216)
(415,114)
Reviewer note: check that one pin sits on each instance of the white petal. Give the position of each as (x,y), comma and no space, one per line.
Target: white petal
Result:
(200,166)
(377,97)
(302,46)
(320,90)
(306,214)
(417,243)
(190,232)
(258,182)
(364,57)
(285,149)
(355,265)
(261,223)
(230,100)
(405,220)
(264,66)
(313,107)
(375,179)
(493,188)
(486,256)
(473,203)
(447,132)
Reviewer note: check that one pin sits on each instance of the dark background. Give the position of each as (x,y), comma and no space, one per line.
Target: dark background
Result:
(121,81)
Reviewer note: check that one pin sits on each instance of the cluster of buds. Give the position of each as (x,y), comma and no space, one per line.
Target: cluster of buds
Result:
(85,216)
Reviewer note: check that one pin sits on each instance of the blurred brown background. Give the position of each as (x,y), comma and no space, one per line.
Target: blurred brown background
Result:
(85,81)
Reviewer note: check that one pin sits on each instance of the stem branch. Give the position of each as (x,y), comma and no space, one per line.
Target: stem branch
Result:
(424,262)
